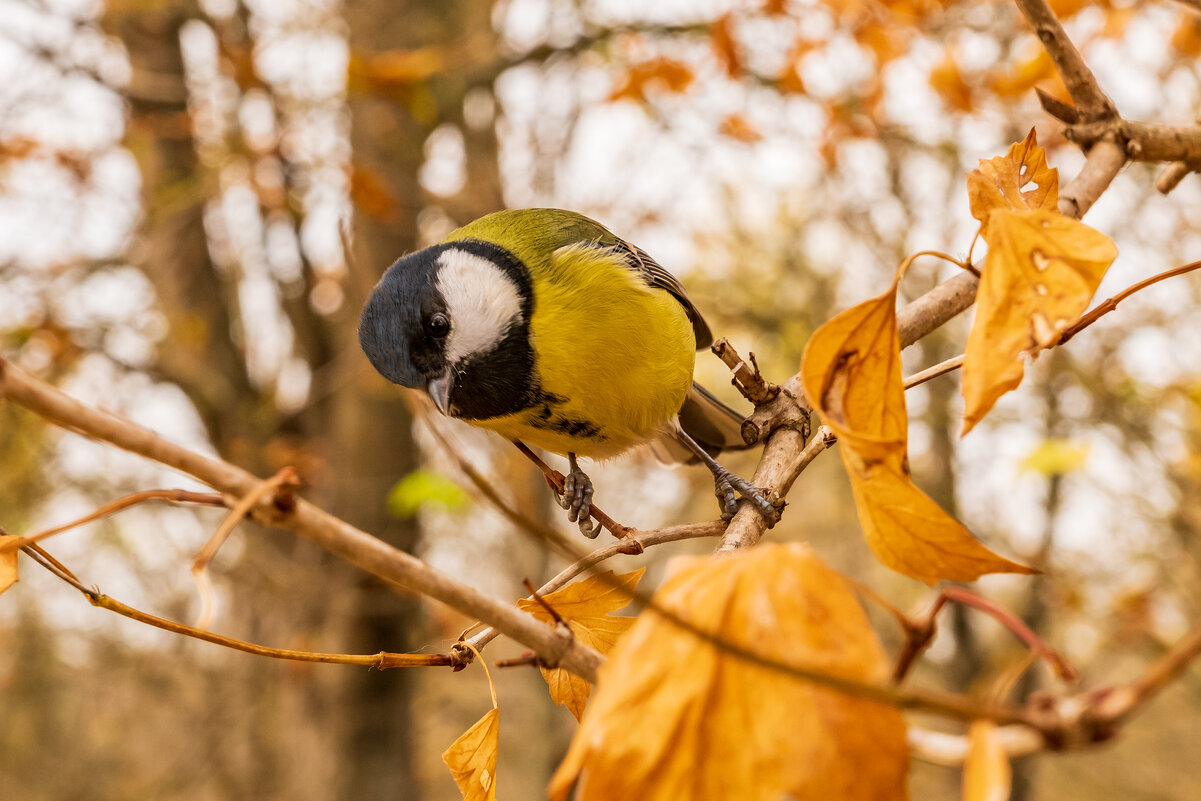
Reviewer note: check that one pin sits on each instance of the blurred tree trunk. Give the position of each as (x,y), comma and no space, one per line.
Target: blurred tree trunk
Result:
(370,426)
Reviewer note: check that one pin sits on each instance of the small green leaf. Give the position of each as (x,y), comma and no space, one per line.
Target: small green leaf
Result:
(422,487)
(1054,457)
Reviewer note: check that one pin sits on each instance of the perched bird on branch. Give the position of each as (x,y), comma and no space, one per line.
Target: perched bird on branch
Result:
(541,325)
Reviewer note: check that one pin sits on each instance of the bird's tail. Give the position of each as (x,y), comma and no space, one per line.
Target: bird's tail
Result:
(715,426)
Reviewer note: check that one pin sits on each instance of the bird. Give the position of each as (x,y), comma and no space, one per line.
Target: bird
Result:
(545,327)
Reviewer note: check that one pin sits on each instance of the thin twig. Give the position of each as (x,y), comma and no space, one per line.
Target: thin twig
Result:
(930,373)
(632,545)
(304,519)
(1108,305)
(537,596)
(286,476)
(382,660)
(556,481)
(1077,77)
(171,496)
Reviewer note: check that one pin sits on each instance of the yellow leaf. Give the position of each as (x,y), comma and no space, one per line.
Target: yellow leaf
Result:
(676,717)
(472,758)
(1040,273)
(1000,183)
(1023,77)
(851,372)
(672,75)
(8,566)
(986,772)
(721,36)
(739,127)
(911,534)
(1054,457)
(947,79)
(1186,39)
(585,606)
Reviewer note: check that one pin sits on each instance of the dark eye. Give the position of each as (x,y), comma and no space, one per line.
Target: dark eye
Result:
(438,326)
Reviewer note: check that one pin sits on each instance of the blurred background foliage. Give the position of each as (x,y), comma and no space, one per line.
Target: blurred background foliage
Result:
(195,198)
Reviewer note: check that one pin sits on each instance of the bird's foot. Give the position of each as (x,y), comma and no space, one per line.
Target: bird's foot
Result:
(726,484)
(577,499)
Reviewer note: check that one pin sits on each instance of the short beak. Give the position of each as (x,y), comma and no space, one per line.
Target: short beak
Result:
(439,390)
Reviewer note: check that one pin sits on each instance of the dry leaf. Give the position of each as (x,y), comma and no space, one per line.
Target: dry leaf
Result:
(676,717)
(851,372)
(472,758)
(739,127)
(1000,183)
(1040,273)
(721,36)
(8,566)
(986,773)
(1055,457)
(586,606)
(1186,39)
(672,75)
(947,79)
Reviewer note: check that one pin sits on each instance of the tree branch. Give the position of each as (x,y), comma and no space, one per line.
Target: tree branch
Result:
(382,660)
(1086,93)
(305,520)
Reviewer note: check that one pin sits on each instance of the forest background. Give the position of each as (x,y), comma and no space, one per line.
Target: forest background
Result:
(195,198)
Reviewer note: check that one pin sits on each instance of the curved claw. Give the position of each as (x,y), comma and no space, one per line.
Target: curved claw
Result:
(726,498)
(728,482)
(577,499)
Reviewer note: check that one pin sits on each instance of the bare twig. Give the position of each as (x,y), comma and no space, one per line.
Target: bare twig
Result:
(747,378)
(930,373)
(942,748)
(634,544)
(382,660)
(304,519)
(285,477)
(171,496)
(1108,305)
(1077,77)
(538,599)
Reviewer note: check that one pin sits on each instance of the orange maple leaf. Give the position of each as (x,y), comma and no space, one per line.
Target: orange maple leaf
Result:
(677,717)
(586,606)
(1001,182)
(851,373)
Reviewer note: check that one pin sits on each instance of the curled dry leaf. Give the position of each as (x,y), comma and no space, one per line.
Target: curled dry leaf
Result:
(8,567)
(586,606)
(1002,182)
(986,772)
(677,717)
(1040,273)
(472,757)
(851,372)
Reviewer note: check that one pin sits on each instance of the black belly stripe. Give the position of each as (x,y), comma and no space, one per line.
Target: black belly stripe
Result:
(545,416)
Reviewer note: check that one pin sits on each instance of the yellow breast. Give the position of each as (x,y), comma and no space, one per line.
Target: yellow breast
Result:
(614,356)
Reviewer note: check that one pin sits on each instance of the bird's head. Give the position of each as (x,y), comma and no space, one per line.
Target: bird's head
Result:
(453,320)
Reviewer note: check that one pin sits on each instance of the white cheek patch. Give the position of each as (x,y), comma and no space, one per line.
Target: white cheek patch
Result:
(482,303)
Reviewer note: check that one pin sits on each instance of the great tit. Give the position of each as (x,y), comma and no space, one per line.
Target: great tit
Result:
(546,328)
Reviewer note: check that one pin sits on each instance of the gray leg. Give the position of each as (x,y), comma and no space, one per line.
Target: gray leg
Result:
(726,484)
(577,498)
